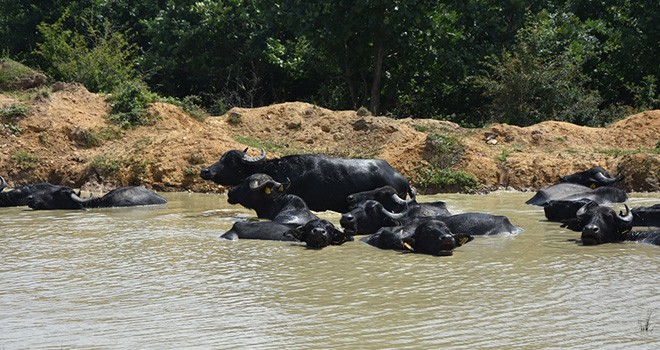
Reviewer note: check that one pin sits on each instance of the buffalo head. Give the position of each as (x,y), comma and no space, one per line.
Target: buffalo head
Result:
(233,167)
(254,190)
(594,177)
(62,198)
(601,224)
(319,233)
(370,216)
(3,183)
(386,195)
(433,237)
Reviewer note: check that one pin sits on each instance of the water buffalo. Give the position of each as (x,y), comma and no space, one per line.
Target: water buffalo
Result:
(594,177)
(269,199)
(371,216)
(266,230)
(601,224)
(319,233)
(425,236)
(646,216)
(20,196)
(480,224)
(571,191)
(561,210)
(66,198)
(389,198)
(322,182)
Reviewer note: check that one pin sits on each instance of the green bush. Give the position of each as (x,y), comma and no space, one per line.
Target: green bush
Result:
(443,151)
(434,179)
(25,160)
(90,53)
(14,111)
(542,77)
(107,165)
(129,104)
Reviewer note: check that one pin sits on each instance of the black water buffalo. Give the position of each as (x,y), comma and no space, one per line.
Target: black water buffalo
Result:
(389,198)
(268,198)
(20,196)
(561,210)
(571,191)
(322,182)
(425,236)
(646,216)
(319,233)
(266,230)
(316,234)
(481,224)
(594,177)
(66,198)
(601,224)
(371,216)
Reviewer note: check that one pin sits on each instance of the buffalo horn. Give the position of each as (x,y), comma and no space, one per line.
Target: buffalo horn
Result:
(604,179)
(585,208)
(395,216)
(398,200)
(627,217)
(256,185)
(76,198)
(255,158)
(3,183)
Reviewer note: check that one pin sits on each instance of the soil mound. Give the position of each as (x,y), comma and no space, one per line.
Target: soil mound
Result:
(66,139)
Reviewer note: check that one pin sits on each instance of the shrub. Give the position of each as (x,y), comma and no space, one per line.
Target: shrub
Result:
(129,104)
(435,179)
(89,53)
(107,165)
(14,111)
(443,151)
(25,160)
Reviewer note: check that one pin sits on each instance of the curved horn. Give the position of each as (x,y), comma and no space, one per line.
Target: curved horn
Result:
(256,185)
(627,217)
(604,179)
(395,216)
(3,183)
(255,158)
(76,199)
(398,200)
(585,208)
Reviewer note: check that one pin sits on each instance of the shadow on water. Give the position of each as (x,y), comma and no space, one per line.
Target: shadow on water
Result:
(146,277)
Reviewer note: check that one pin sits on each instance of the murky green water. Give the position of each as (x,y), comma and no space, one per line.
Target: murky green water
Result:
(161,278)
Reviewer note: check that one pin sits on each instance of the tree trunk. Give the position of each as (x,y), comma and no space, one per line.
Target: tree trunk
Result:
(378,73)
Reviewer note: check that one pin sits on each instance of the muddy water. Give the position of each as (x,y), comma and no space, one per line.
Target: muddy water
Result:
(161,278)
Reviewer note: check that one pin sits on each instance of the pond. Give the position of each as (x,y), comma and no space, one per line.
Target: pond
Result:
(162,278)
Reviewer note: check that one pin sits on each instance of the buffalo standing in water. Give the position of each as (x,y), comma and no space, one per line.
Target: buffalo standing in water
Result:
(322,182)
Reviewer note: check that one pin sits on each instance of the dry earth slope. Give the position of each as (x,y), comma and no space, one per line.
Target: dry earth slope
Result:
(59,143)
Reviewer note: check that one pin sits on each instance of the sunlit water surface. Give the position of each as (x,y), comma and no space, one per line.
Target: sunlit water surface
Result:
(162,278)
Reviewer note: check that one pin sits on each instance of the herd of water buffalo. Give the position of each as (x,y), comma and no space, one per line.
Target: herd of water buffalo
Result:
(374,200)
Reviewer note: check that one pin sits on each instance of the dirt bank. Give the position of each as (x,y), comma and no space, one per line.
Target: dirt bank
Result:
(65,139)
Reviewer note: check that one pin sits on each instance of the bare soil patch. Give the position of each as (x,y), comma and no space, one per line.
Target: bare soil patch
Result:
(169,154)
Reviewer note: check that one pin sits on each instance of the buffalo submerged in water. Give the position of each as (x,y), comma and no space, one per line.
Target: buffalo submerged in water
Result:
(322,182)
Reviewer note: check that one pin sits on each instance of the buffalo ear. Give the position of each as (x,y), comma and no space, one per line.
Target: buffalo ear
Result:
(462,238)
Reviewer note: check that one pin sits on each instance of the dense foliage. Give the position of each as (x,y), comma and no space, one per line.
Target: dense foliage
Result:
(470,61)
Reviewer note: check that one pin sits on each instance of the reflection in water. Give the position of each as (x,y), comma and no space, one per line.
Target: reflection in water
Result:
(141,277)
